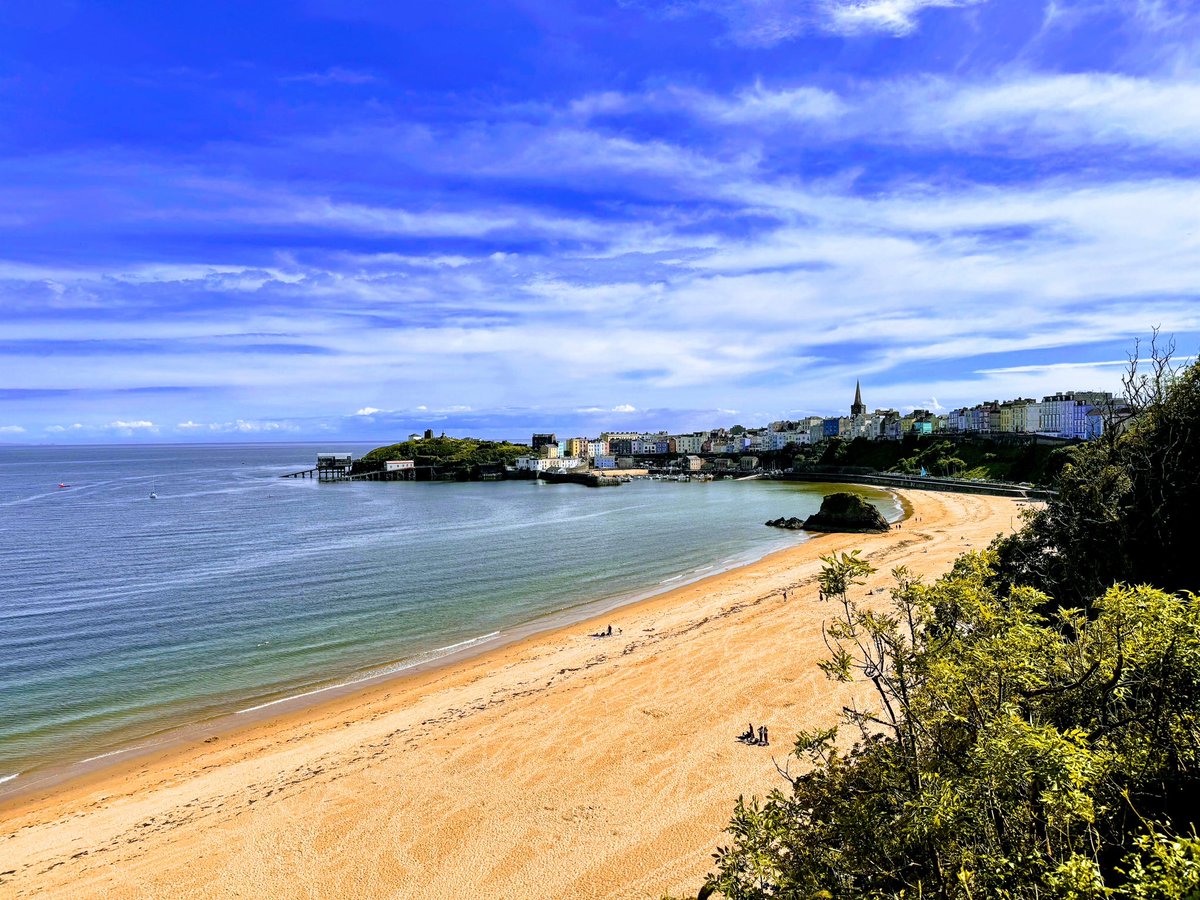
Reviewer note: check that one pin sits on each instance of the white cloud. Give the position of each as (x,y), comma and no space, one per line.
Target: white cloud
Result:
(1061,110)
(368,411)
(126,428)
(1047,368)
(238,426)
(896,17)
(624,408)
(11,429)
(757,104)
(1021,112)
(771,22)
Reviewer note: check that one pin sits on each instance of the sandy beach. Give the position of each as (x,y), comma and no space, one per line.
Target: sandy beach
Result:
(561,766)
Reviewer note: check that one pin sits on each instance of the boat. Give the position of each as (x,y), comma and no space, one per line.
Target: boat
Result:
(153,496)
(62,485)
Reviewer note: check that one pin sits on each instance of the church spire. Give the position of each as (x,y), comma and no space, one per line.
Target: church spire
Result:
(858,408)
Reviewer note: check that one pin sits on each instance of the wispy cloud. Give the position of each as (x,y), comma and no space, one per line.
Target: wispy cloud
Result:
(239,426)
(1015,112)
(1053,367)
(896,17)
(765,23)
(332,75)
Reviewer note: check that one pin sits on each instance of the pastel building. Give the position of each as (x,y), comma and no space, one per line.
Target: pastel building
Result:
(544,464)
(1066,414)
(690,443)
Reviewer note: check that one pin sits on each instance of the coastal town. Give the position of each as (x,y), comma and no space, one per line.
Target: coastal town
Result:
(1059,417)
(1007,441)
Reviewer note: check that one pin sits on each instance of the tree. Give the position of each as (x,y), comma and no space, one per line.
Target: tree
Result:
(1009,754)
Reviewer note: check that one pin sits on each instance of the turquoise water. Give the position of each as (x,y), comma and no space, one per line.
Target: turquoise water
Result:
(122,616)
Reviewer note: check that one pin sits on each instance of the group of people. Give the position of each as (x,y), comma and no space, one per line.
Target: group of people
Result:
(754,740)
(605,632)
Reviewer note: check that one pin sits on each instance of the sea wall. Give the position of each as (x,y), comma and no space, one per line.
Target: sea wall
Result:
(588,479)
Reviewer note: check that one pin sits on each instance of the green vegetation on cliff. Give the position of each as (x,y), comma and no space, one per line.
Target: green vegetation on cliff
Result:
(1034,730)
(463,456)
(940,456)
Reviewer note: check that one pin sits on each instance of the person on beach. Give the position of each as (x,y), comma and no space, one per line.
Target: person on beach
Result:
(762,736)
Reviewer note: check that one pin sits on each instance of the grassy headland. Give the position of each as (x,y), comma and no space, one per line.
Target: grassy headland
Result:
(462,458)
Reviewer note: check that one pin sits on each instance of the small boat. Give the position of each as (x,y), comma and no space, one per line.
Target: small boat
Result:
(62,485)
(153,496)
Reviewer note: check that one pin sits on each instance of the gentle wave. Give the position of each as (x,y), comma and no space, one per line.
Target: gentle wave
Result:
(417,660)
(109,753)
(4,778)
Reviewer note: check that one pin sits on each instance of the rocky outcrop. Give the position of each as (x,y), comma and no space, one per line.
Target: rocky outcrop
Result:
(847,513)
(793,524)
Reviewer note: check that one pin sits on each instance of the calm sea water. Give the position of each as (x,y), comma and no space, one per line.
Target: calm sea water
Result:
(123,616)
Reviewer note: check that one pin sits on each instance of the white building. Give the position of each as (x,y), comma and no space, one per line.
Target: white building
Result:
(777,440)
(398,465)
(538,464)
(690,443)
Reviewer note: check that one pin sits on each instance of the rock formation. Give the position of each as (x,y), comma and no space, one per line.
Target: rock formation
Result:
(846,512)
(793,523)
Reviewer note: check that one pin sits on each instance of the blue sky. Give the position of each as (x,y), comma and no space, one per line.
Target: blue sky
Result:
(337,218)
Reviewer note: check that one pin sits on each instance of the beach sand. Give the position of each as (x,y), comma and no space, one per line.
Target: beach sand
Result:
(562,766)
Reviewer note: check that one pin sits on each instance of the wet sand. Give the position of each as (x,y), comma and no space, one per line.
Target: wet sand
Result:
(562,766)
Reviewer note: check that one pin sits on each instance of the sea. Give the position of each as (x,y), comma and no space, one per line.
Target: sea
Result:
(124,618)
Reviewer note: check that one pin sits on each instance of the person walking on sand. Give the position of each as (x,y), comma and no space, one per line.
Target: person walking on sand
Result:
(762,736)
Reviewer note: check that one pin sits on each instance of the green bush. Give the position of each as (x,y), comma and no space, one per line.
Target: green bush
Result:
(1008,754)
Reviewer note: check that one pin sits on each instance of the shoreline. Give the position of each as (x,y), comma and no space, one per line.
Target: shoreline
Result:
(14,787)
(501,698)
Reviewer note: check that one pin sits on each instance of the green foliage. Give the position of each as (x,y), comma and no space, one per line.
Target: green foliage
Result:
(975,458)
(1007,753)
(464,455)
